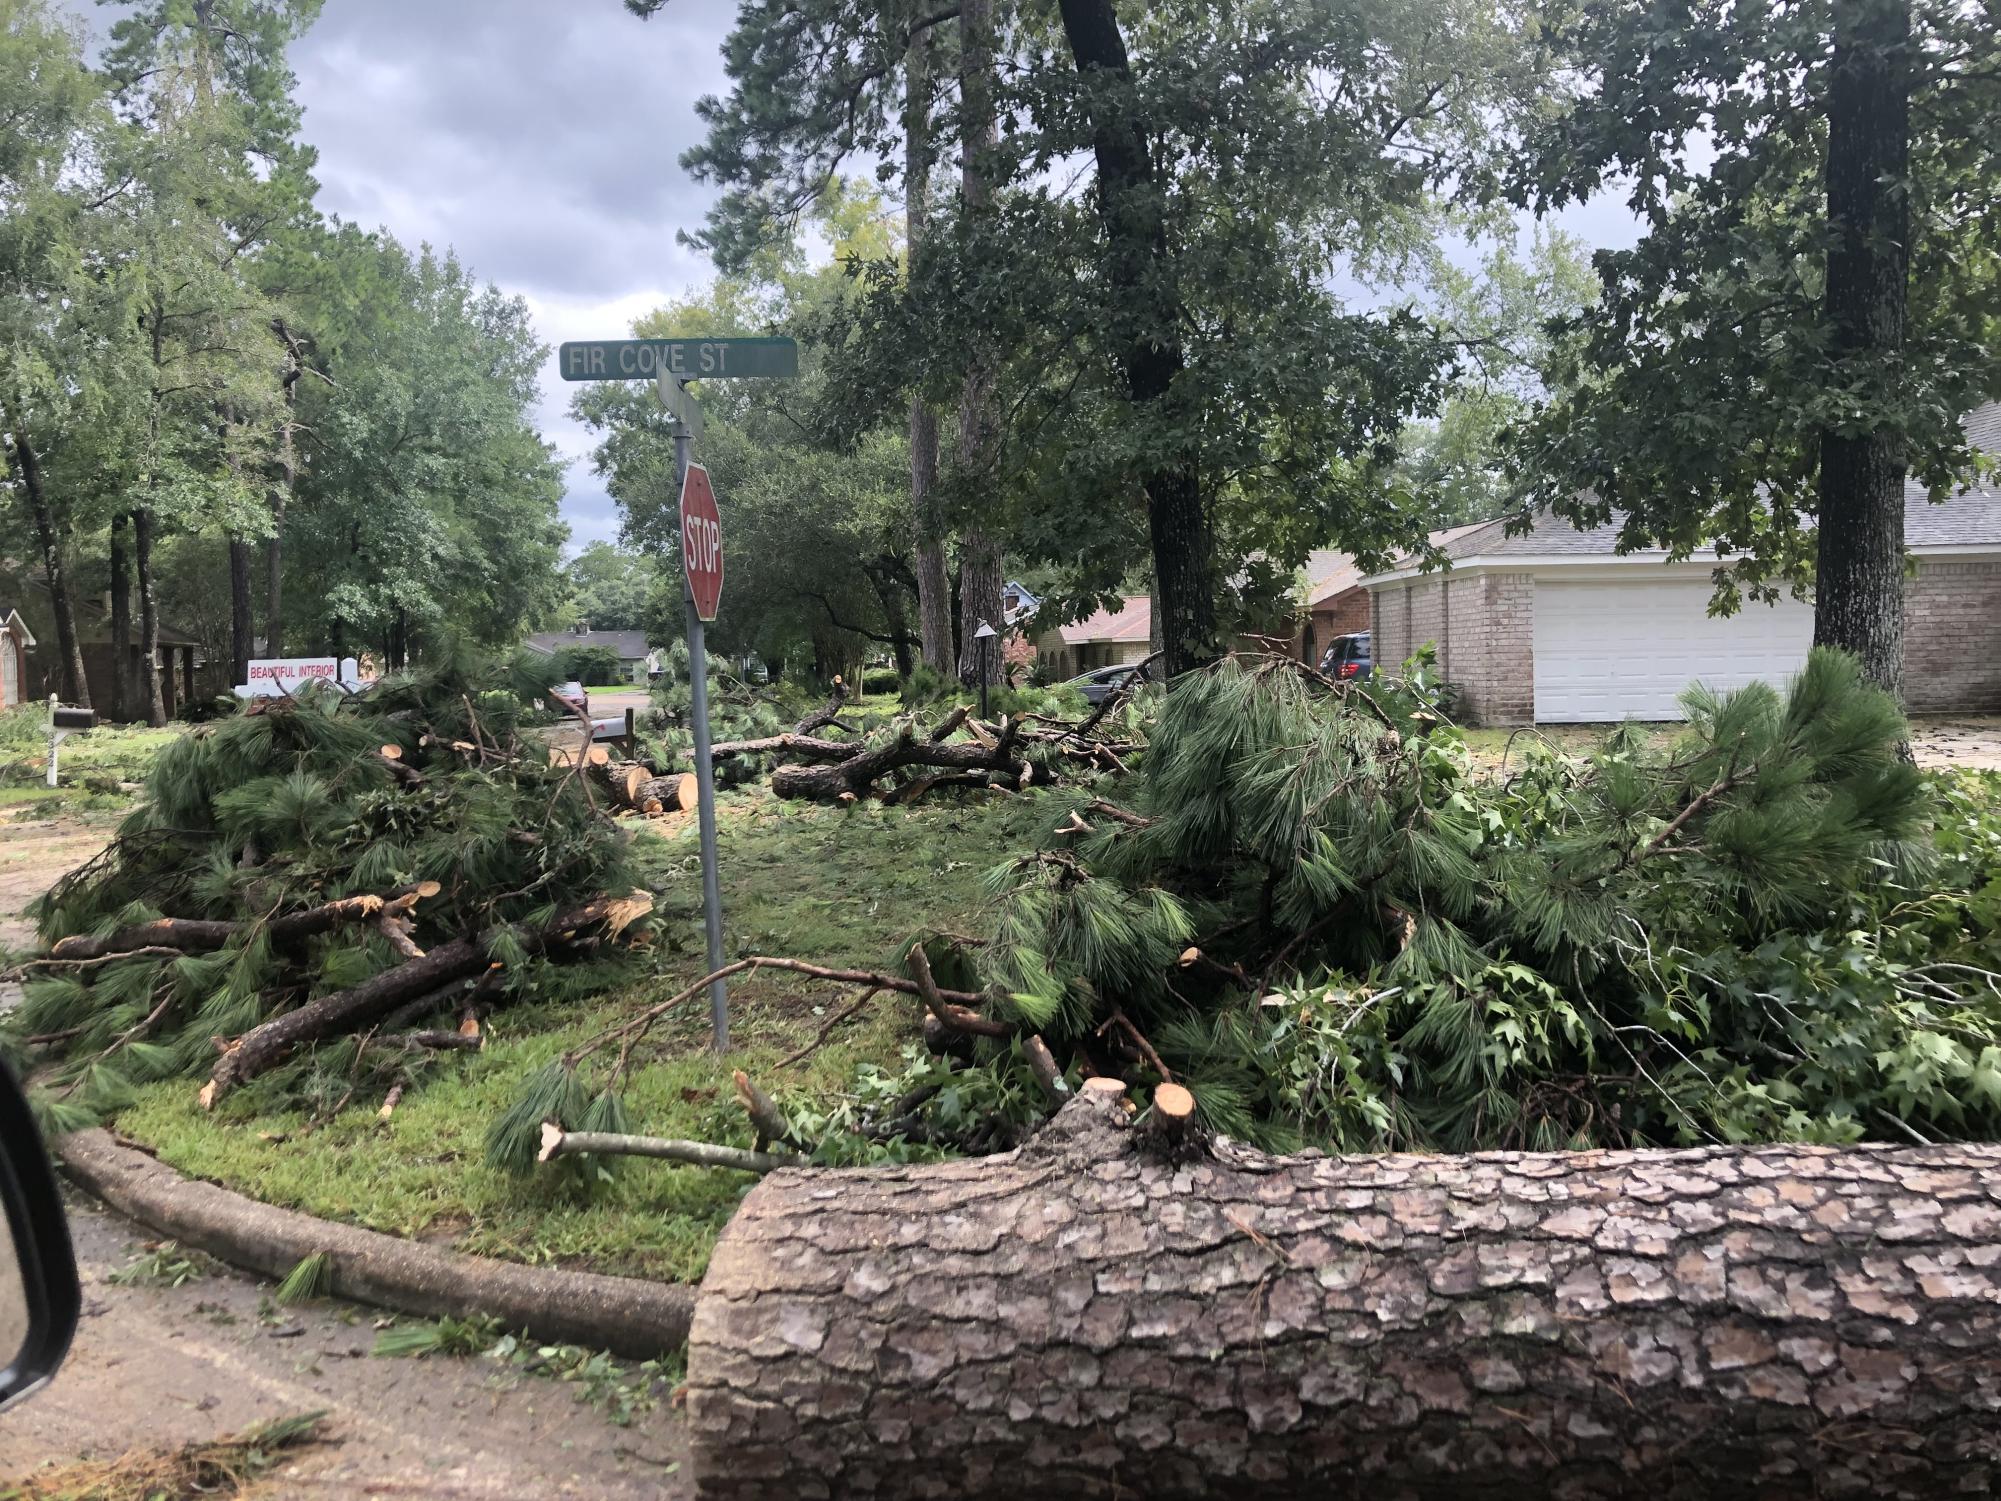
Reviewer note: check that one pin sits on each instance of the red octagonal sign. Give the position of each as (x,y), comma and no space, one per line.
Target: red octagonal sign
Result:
(701,542)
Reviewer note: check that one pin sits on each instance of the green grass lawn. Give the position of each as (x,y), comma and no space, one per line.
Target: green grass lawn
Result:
(91,767)
(836,886)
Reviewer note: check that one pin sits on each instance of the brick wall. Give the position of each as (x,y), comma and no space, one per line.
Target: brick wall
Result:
(1952,637)
(1387,608)
(1489,651)
(1343,615)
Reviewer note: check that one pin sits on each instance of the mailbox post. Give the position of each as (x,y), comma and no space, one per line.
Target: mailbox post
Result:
(64,722)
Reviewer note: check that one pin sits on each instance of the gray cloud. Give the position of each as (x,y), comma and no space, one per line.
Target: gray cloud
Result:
(540,139)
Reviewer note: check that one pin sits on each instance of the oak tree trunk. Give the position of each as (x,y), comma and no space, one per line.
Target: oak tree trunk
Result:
(1140,273)
(1106,1313)
(52,537)
(123,693)
(1859,582)
(980,562)
(934,587)
(150,699)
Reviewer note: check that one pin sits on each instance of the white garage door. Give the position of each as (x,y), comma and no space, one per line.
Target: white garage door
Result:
(1608,651)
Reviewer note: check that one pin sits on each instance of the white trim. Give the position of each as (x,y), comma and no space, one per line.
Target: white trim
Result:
(13,618)
(1612,563)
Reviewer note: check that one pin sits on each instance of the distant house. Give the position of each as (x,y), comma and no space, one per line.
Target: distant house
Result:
(1337,602)
(1017,604)
(1104,639)
(15,641)
(1556,624)
(39,664)
(635,657)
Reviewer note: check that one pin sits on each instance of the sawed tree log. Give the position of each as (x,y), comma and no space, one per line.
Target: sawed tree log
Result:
(1090,1317)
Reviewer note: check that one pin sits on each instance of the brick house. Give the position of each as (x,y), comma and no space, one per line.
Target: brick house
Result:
(15,641)
(1554,626)
(1337,603)
(1104,639)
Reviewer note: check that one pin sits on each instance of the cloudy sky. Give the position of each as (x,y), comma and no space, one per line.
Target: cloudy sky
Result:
(540,139)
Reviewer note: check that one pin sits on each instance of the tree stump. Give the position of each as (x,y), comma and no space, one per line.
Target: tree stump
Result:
(1088,1317)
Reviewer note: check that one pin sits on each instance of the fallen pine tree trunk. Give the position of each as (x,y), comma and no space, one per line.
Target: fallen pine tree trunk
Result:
(343,1011)
(1123,1311)
(856,775)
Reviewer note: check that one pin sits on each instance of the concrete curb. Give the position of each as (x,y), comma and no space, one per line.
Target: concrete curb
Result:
(629,1317)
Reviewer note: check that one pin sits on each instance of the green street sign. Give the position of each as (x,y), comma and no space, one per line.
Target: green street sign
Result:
(690,359)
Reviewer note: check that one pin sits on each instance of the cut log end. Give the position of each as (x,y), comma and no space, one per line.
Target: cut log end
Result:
(552,1141)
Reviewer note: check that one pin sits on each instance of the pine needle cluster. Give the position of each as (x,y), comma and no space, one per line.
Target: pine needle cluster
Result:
(283,807)
(1315,913)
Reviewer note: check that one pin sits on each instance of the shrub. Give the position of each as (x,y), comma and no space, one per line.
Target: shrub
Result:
(590,665)
(881,680)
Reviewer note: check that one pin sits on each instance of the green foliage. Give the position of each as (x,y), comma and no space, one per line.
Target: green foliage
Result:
(589,664)
(1690,403)
(163,1265)
(445,1336)
(288,805)
(882,680)
(1336,934)
(311,1278)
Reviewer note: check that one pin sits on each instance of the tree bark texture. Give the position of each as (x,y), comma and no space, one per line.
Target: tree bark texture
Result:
(1094,1315)
(150,698)
(980,562)
(934,585)
(53,540)
(122,692)
(242,628)
(1859,580)
(1139,270)
(282,492)
(856,774)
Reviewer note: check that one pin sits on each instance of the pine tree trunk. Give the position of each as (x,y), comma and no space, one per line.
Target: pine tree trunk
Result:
(54,542)
(150,699)
(123,694)
(1859,586)
(934,587)
(281,496)
(980,562)
(1102,1314)
(242,630)
(1140,265)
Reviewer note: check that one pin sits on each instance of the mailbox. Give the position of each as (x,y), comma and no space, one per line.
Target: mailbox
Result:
(66,718)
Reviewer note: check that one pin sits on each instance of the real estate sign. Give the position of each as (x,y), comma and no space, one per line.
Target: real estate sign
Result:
(272,677)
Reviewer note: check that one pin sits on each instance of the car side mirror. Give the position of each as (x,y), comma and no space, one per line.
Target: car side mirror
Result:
(40,1297)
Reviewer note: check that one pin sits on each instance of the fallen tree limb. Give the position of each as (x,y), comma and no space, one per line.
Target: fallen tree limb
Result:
(191,935)
(827,713)
(628,1033)
(348,1010)
(958,1017)
(556,1142)
(1090,1317)
(856,775)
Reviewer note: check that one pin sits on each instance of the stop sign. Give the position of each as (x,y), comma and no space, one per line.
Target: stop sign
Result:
(701,542)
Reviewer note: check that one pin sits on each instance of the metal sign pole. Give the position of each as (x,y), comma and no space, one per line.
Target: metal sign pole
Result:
(705,777)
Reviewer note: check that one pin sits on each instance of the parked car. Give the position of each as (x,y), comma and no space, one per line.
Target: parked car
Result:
(1347,658)
(1101,684)
(572,694)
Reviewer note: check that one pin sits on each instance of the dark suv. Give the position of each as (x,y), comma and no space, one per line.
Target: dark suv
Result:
(1347,658)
